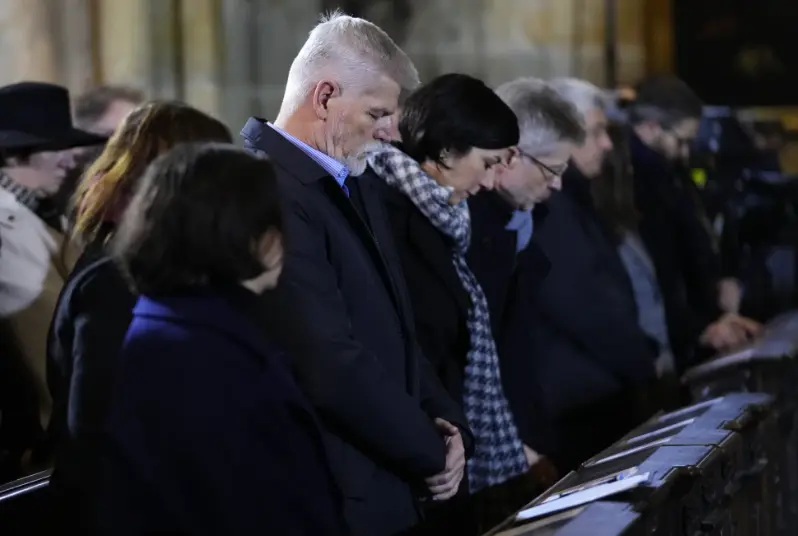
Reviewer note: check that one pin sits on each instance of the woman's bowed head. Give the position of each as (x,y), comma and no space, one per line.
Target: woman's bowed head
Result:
(204,214)
(459,130)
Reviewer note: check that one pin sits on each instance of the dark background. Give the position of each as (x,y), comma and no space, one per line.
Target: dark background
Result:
(739,52)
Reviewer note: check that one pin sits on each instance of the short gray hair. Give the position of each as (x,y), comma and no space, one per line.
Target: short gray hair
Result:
(583,95)
(544,118)
(349,50)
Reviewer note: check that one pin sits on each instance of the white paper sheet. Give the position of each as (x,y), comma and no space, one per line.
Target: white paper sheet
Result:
(582,497)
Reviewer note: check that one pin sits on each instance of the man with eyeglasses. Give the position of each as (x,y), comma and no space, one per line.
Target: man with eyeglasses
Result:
(510,267)
(664,120)
(593,358)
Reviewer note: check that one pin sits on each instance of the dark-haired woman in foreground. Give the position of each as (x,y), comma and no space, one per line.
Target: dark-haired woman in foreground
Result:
(94,308)
(454,131)
(207,433)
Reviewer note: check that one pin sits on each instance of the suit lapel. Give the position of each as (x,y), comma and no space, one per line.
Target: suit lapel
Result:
(373,203)
(368,234)
(261,137)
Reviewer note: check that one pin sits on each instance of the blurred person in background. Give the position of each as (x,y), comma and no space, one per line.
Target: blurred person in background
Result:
(36,138)
(100,111)
(594,358)
(455,131)
(394,434)
(770,138)
(94,309)
(510,267)
(664,120)
(208,433)
(613,195)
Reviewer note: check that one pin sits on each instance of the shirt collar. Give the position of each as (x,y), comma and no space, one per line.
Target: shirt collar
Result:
(329,164)
(24,195)
(519,218)
(521,222)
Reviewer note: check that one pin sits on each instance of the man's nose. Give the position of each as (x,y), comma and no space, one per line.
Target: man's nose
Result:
(382,134)
(488,180)
(556,183)
(386,131)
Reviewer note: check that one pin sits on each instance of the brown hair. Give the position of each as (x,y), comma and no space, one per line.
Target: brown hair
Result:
(149,131)
(613,192)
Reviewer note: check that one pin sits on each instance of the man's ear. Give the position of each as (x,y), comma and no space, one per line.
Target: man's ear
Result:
(322,93)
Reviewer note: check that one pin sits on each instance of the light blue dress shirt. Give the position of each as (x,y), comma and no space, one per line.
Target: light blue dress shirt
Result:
(521,222)
(329,164)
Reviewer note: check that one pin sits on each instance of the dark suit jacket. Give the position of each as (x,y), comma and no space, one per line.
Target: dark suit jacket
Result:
(441,306)
(89,325)
(594,358)
(688,268)
(440,303)
(207,432)
(589,336)
(353,344)
(511,282)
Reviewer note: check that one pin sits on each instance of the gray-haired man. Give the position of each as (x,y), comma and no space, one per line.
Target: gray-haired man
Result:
(392,430)
(509,267)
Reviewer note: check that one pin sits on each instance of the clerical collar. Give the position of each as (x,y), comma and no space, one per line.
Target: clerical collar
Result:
(24,195)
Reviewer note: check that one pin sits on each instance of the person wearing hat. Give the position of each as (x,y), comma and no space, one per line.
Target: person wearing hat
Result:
(36,142)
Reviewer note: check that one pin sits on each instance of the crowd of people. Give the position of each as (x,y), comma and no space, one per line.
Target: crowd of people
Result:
(402,308)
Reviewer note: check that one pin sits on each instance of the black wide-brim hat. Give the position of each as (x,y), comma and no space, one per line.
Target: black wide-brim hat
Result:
(36,116)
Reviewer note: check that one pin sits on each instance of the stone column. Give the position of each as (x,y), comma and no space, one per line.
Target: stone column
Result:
(123,42)
(238,84)
(281,29)
(28,50)
(139,45)
(202,47)
(658,26)
(631,41)
(165,30)
(72,32)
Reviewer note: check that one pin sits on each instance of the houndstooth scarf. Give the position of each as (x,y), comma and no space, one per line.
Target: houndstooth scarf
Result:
(499,452)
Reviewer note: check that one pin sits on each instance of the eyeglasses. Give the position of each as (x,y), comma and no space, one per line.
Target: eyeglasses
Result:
(549,173)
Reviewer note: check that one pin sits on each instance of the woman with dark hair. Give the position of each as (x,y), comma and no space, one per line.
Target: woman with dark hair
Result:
(94,308)
(207,432)
(614,198)
(454,131)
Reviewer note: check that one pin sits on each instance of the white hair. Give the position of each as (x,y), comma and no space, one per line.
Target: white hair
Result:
(583,95)
(350,51)
(544,117)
